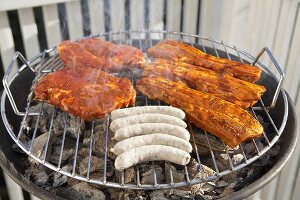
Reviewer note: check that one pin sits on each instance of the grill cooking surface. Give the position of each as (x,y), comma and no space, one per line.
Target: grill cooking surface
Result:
(84,134)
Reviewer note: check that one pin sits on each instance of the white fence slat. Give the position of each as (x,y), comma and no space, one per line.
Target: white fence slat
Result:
(96,16)
(156,15)
(190,16)
(17,4)
(7,47)
(293,67)
(117,15)
(284,32)
(173,16)
(14,190)
(74,17)
(51,24)
(210,20)
(29,32)
(137,14)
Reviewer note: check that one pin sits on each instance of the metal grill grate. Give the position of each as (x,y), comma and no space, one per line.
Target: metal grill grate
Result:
(48,61)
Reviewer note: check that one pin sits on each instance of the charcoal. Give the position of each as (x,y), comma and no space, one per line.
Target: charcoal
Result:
(177,176)
(99,142)
(262,161)
(73,181)
(68,150)
(96,165)
(203,148)
(179,194)
(227,191)
(60,179)
(115,193)
(83,190)
(129,175)
(39,146)
(195,172)
(43,124)
(72,124)
(41,178)
(38,174)
(158,195)
(148,176)
(207,187)
(221,183)
(237,158)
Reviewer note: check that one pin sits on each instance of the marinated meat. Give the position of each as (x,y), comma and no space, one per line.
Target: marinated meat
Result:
(100,54)
(237,91)
(223,119)
(180,52)
(85,92)
(117,57)
(74,55)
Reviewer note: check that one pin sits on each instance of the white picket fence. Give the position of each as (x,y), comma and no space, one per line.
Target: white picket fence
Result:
(249,24)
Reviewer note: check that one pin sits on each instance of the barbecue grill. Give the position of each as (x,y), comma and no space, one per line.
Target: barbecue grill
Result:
(274,108)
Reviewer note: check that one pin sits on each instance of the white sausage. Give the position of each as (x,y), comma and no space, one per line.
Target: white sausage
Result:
(149,128)
(166,110)
(146,118)
(153,139)
(151,153)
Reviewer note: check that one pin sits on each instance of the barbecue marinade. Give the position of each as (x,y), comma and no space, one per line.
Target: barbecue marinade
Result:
(226,87)
(223,119)
(180,52)
(85,92)
(100,54)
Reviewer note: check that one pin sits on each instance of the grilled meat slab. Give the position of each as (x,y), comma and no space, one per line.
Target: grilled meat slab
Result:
(100,54)
(117,57)
(226,87)
(180,52)
(75,56)
(223,119)
(87,93)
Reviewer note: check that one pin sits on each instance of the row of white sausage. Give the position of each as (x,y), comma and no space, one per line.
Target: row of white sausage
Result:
(150,133)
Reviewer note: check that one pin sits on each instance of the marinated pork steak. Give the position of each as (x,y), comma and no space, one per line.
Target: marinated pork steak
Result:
(85,92)
(100,54)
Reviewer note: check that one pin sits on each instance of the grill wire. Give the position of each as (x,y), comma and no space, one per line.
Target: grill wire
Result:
(48,61)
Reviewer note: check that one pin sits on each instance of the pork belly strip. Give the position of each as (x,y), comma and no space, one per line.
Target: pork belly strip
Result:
(180,52)
(89,93)
(237,91)
(223,119)
(100,54)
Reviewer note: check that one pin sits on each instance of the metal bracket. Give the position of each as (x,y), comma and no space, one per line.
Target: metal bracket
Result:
(279,69)
(6,84)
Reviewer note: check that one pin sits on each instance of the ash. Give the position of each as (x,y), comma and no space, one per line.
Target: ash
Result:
(91,150)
